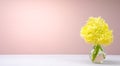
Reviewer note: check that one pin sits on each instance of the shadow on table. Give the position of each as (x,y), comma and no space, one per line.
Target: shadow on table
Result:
(111,62)
(106,62)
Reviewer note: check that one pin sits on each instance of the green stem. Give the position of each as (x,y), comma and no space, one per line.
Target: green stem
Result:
(95,52)
(101,48)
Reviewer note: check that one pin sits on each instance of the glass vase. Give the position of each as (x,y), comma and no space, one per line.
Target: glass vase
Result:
(97,54)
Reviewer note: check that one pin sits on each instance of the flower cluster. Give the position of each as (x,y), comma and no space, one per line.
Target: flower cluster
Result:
(96,31)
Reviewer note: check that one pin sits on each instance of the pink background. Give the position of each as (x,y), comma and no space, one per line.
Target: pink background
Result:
(52,27)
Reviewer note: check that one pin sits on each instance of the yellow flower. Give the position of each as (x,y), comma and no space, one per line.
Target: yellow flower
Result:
(96,31)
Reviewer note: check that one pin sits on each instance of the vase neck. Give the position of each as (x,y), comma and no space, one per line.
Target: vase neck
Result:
(96,46)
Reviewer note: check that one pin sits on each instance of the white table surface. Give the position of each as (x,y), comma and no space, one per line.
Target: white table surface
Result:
(55,60)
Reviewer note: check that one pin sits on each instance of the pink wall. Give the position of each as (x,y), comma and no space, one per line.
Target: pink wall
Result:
(52,27)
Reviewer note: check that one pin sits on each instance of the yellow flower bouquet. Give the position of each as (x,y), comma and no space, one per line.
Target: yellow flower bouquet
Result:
(97,33)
